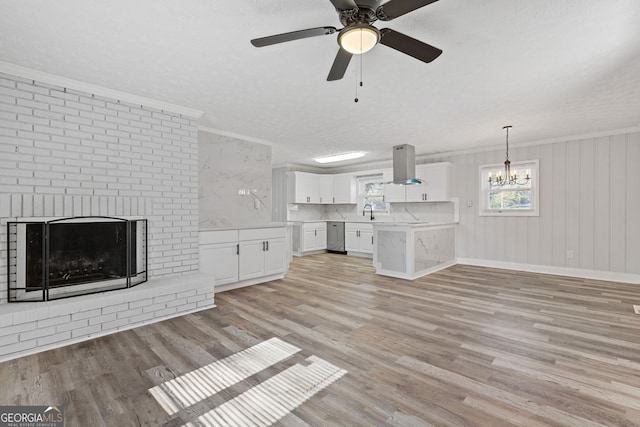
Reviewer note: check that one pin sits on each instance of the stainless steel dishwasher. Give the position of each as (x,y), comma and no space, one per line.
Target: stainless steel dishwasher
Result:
(335,237)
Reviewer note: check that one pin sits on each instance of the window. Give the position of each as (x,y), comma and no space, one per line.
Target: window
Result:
(371,192)
(511,199)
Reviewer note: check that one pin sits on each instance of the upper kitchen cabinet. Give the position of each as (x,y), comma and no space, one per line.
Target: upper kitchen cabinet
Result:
(435,187)
(326,189)
(393,192)
(436,183)
(303,187)
(344,189)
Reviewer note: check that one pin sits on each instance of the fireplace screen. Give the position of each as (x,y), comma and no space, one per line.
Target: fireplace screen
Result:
(75,256)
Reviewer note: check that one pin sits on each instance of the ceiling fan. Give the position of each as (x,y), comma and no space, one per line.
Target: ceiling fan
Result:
(359,35)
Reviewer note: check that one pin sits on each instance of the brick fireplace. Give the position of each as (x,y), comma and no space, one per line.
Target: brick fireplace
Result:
(70,153)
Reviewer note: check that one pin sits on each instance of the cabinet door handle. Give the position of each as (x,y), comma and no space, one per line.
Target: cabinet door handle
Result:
(263,246)
(334,200)
(238,249)
(267,245)
(372,240)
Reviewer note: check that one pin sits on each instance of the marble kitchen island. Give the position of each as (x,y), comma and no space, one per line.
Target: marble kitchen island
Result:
(412,250)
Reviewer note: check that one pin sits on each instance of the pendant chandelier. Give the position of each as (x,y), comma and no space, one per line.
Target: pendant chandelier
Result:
(509,178)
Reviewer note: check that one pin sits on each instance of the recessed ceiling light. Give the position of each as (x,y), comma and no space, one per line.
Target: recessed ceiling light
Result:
(340,157)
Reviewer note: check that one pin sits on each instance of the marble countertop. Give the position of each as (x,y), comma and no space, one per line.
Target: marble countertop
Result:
(245,227)
(403,223)
(416,224)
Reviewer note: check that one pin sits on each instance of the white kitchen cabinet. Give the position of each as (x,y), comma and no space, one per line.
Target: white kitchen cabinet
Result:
(393,192)
(219,255)
(252,259)
(435,185)
(303,187)
(275,256)
(437,180)
(344,189)
(237,256)
(306,187)
(262,252)
(326,189)
(314,236)
(358,237)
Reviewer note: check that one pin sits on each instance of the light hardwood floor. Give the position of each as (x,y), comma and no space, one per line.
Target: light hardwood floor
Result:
(466,346)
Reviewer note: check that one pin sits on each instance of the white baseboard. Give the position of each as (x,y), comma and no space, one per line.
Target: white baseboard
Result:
(610,276)
(249,282)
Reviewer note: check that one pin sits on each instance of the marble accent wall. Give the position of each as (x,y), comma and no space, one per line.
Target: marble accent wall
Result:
(234,182)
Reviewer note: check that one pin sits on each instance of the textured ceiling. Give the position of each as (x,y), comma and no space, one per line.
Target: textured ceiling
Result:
(550,68)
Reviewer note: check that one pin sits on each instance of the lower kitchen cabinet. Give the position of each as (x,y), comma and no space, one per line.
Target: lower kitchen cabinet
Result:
(219,255)
(358,237)
(315,236)
(237,256)
(261,258)
(309,237)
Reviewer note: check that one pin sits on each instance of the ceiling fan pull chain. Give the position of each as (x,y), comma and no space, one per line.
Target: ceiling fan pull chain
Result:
(361,69)
(356,98)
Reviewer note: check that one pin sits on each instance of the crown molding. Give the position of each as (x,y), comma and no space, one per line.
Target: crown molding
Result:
(555,140)
(234,135)
(52,79)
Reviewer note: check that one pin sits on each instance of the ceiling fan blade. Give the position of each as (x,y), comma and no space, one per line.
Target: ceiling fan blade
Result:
(344,4)
(294,35)
(394,8)
(408,45)
(340,65)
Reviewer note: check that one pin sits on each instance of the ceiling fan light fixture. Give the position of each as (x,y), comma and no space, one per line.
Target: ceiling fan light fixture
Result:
(359,38)
(340,157)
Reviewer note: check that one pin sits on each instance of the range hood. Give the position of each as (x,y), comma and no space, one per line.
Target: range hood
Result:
(404,165)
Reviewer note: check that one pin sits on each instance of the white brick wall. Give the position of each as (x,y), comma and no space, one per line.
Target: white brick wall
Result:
(32,327)
(69,153)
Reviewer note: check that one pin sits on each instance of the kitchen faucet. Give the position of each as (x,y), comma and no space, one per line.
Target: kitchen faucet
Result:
(364,209)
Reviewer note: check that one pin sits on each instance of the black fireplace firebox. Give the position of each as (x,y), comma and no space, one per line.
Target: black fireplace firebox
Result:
(67,257)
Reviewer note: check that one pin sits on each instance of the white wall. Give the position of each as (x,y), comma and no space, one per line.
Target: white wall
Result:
(589,204)
(69,153)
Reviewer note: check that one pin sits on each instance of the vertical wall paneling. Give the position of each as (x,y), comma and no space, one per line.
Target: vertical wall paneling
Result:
(586,184)
(279,194)
(483,229)
(531,238)
(516,246)
(602,185)
(589,200)
(633,204)
(559,193)
(618,190)
(546,204)
(573,213)
(465,188)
